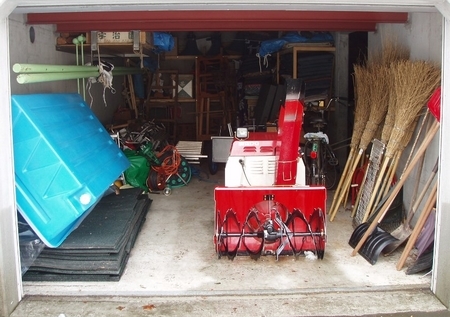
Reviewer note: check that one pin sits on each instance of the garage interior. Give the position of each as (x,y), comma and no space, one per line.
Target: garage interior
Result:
(174,256)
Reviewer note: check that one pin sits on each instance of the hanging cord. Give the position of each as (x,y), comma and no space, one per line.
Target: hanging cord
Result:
(105,77)
(265,61)
(241,162)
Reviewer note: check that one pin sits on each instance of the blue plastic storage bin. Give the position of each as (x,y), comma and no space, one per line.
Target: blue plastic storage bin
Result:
(64,162)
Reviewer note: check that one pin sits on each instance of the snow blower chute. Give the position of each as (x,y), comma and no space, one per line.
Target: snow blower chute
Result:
(265,208)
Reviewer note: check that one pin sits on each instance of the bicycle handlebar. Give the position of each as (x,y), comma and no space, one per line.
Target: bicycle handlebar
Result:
(341,100)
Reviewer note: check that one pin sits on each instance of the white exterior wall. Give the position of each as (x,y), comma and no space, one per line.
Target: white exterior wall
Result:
(43,51)
(429,40)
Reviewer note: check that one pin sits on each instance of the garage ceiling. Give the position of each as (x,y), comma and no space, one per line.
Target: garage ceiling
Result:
(215,20)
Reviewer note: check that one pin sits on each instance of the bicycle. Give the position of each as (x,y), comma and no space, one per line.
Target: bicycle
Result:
(321,163)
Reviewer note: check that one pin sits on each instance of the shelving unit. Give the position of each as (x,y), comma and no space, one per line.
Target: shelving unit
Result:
(215,86)
(318,66)
(295,49)
(135,43)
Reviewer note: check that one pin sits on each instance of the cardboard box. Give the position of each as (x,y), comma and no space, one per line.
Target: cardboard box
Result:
(114,37)
(121,37)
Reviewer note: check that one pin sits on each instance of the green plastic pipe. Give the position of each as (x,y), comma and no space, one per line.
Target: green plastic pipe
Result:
(36,68)
(44,77)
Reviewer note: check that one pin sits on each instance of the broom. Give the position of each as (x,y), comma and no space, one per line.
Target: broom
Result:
(392,52)
(414,83)
(393,167)
(388,178)
(360,118)
(378,107)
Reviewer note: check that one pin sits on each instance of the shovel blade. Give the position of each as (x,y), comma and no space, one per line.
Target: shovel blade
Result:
(402,234)
(374,244)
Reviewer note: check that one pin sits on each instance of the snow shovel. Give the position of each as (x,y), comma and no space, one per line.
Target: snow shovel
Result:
(404,230)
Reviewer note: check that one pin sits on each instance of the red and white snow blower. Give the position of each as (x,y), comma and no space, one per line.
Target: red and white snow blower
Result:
(265,208)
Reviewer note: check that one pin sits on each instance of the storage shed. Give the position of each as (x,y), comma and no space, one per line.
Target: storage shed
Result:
(421,25)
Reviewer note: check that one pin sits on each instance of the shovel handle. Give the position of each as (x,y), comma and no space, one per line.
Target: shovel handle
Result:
(434,128)
(429,205)
(422,194)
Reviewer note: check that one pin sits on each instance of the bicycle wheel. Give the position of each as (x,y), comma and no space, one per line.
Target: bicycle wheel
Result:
(330,168)
(315,177)
(331,175)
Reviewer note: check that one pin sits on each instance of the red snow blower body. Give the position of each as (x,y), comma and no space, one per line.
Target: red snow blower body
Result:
(265,208)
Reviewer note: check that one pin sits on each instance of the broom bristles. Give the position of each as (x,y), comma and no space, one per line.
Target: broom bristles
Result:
(378,75)
(414,82)
(392,53)
(361,104)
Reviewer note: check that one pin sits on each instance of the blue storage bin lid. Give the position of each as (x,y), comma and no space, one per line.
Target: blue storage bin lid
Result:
(64,161)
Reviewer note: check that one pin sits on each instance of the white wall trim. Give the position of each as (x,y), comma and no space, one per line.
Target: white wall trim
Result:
(10,273)
(441,274)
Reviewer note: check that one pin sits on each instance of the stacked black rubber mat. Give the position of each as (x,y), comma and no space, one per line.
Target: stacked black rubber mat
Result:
(98,250)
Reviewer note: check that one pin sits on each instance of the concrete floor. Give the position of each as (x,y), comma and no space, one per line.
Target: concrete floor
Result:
(173,271)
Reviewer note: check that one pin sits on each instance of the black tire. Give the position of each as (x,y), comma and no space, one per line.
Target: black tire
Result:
(331,175)
(331,168)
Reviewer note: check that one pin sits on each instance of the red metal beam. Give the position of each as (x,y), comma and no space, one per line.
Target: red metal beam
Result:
(219,26)
(217,20)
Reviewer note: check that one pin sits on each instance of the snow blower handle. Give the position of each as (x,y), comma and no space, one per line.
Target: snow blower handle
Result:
(426,142)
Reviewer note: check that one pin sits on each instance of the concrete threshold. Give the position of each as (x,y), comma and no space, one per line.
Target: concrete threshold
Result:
(410,301)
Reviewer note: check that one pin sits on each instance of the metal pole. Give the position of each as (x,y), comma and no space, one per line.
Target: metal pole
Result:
(36,68)
(44,77)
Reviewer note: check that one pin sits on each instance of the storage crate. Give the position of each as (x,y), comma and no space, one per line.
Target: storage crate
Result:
(64,162)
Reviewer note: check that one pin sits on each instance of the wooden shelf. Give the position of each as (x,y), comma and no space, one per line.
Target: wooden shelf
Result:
(294,49)
(193,57)
(106,49)
(291,48)
(171,100)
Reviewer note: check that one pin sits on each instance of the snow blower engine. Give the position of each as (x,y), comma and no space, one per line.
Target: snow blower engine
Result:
(265,208)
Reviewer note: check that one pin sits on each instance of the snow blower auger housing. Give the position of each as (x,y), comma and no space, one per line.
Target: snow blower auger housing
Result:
(265,208)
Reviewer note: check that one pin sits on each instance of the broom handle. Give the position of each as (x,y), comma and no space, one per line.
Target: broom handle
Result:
(341,180)
(422,194)
(416,186)
(348,188)
(347,182)
(388,177)
(418,228)
(419,172)
(382,172)
(434,128)
(425,117)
